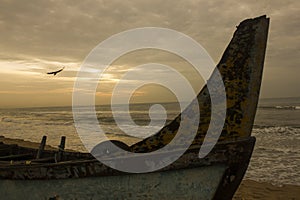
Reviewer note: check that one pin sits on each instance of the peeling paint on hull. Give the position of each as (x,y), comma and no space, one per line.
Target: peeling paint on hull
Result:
(216,176)
(241,68)
(194,183)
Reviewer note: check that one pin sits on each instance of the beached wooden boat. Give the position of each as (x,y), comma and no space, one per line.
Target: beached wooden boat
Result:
(44,174)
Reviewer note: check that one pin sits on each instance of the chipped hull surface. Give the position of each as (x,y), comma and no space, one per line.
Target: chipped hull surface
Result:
(193,183)
(216,176)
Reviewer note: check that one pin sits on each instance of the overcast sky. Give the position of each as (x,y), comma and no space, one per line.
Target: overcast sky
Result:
(40,36)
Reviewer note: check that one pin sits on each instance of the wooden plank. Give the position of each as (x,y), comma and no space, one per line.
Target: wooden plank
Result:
(61,149)
(42,147)
(18,156)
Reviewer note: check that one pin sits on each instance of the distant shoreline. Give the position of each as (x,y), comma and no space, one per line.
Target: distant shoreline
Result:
(62,106)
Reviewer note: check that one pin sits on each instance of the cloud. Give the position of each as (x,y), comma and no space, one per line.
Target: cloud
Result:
(40,36)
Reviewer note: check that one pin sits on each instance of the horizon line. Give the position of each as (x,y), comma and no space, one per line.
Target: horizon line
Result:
(106,104)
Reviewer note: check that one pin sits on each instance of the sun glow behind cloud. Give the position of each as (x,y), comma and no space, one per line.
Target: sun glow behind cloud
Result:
(26,83)
(42,36)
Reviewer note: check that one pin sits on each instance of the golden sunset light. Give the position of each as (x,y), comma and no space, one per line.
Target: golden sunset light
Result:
(39,37)
(149,99)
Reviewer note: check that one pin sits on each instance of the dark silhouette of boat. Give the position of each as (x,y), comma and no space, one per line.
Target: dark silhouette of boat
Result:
(44,174)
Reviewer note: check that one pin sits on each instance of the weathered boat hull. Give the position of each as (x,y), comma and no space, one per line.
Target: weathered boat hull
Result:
(193,183)
(215,176)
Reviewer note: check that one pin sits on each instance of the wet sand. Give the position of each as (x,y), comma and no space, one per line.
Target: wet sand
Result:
(248,190)
(24,143)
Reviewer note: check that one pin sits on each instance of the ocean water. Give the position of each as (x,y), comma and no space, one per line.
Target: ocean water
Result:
(276,157)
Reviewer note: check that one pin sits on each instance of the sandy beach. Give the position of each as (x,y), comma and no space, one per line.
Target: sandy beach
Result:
(248,190)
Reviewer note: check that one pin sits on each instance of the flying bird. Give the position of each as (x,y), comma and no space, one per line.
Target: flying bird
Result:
(55,72)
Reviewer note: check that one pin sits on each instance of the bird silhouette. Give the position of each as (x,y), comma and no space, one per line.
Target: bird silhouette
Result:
(56,72)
